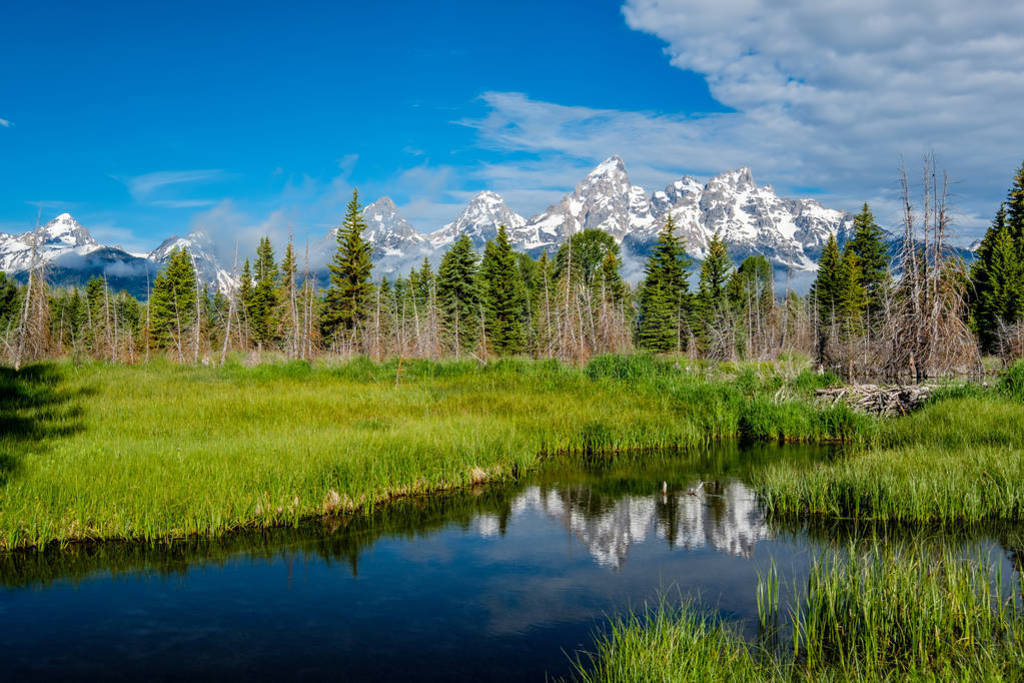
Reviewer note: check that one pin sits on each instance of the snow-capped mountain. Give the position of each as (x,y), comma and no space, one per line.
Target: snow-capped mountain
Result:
(751,219)
(603,200)
(201,247)
(397,246)
(71,256)
(61,236)
(479,220)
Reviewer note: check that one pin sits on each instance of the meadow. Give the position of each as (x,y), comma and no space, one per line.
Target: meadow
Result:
(161,451)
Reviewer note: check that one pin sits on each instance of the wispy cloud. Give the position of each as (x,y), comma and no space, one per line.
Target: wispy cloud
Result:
(4,123)
(183,203)
(142,187)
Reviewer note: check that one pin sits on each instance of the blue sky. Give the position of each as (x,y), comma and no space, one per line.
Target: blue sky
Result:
(251,118)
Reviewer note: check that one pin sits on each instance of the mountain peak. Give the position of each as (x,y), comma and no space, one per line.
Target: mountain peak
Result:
(487,197)
(611,165)
(739,178)
(384,203)
(65,229)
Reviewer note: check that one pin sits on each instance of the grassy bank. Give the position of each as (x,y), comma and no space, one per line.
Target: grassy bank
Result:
(878,616)
(959,460)
(157,451)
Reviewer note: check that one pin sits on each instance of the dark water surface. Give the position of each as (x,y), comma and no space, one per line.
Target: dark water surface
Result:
(503,582)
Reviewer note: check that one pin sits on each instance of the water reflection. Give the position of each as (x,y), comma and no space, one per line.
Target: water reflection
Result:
(495,582)
(723,515)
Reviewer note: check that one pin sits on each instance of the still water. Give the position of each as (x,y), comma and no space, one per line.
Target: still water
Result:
(501,582)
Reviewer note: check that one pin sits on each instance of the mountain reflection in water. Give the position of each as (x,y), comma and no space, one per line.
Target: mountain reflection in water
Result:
(724,516)
(500,582)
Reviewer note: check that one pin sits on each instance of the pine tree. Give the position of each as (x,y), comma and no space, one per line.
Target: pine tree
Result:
(825,292)
(458,295)
(997,276)
(348,298)
(998,282)
(873,262)
(287,301)
(1015,207)
(665,287)
(173,302)
(852,297)
(657,328)
(711,306)
(503,296)
(10,302)
(245,301)
(263,300)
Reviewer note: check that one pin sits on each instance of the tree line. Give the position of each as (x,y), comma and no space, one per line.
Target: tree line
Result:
(919,313)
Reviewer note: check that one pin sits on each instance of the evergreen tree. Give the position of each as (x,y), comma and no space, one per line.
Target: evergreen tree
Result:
(665,287)
(998,282)
(712,301)
(173,301)
(503,295)
(852,298)
(287,299)
(1015,207)
(245,299)
(262,305)
(348,298)
(873,262)
(10,302)
(458,295)
(825,292)
(422,282)
(997,276)
(657,330)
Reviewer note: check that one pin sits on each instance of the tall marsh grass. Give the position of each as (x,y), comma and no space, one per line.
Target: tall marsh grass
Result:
(880,615)
(959,460)
(165,451)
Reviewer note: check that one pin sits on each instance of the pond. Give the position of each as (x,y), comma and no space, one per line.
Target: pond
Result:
(499,582)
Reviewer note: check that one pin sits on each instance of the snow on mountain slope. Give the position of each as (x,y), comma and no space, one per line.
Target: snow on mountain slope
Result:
(479,220)
(603,200)
(200,246)
(60,236)
(751,219)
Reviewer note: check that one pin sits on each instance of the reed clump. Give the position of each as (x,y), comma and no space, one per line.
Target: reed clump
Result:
(880,615)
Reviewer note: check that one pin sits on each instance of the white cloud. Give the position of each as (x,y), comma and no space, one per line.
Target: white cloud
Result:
(142,187)
(182,203)
(4,123)
(230,227)
(830,94)
(825,98)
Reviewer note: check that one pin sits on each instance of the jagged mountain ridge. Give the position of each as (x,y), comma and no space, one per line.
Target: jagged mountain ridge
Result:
(752,219)
(72,256)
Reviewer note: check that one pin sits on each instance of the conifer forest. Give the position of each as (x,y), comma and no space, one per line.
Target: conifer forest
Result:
(899,310)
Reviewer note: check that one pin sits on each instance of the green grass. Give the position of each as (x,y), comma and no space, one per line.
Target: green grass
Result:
(881,615)
(958,460)
(163,451)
